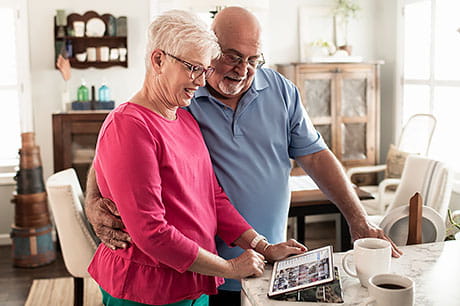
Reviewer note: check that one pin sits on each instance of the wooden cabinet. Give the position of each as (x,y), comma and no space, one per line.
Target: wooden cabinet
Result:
(74,140)
(343,102)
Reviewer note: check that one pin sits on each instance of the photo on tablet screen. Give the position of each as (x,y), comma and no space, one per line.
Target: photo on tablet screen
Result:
(302,271)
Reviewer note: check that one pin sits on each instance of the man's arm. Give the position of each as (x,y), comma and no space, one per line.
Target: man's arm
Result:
(327,172)
(103,215)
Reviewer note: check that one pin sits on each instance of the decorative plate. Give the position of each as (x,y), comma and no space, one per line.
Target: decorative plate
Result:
(95,27)
(396,225)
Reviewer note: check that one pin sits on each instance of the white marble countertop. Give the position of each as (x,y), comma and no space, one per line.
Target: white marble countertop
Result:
(434,267)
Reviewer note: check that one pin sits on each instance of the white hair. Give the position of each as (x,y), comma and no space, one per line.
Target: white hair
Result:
(176,32)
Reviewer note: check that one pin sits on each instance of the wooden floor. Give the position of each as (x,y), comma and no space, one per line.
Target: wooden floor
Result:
(15,282)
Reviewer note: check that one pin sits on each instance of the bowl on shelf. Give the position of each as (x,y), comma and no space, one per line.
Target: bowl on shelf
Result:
(81,57)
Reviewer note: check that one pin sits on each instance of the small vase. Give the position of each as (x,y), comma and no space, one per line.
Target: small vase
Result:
(346,48)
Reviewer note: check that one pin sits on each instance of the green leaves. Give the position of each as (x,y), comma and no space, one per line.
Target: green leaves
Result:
(346,9)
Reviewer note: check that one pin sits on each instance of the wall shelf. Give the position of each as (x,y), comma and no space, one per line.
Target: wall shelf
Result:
(109,39)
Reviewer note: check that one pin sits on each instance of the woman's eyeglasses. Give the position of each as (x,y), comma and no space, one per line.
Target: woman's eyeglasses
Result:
(196,71)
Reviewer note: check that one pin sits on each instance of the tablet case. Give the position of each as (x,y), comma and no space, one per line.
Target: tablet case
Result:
(299,272)
(325,293)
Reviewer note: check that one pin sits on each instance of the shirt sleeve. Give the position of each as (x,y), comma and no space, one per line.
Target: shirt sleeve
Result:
(230,224)
(127,160)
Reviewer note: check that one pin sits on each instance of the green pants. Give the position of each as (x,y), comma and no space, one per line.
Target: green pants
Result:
(109,300)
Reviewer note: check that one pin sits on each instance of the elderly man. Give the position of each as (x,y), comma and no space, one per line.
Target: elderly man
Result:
(253,122)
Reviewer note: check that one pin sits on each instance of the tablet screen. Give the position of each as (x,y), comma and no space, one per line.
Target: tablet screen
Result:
(302,271)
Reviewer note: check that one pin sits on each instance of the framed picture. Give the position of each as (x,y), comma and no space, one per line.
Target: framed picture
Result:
(315,24)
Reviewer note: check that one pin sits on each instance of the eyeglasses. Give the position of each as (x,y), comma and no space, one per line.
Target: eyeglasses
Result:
(196,71)
(233,60)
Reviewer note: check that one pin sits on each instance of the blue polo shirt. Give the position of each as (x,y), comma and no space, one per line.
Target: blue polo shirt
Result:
(250,149)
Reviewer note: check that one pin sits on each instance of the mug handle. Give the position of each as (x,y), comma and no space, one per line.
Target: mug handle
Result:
(345,265)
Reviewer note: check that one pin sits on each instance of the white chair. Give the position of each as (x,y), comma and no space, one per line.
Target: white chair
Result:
(432,179)
(414,223)
(78,242)
(415,138)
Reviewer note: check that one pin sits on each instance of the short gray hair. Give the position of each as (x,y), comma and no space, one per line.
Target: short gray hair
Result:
(176,32)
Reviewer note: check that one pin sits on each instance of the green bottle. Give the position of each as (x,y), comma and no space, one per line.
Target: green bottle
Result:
(82,92)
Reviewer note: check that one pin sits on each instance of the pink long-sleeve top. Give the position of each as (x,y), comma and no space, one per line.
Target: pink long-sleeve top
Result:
(159,174)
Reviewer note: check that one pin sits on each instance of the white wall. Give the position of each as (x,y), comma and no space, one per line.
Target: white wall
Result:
(372,36)
(386,49)
(47,83)
(283,41)
(6,213)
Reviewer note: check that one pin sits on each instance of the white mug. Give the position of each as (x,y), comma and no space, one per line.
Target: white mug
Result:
(81,57)
(390,290)
(103,53)
(122,52)
(91,54)
(79,28)
(370,256)
(114,54)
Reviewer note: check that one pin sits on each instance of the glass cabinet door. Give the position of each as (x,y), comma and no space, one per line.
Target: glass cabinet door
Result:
(318,91)
(355,116)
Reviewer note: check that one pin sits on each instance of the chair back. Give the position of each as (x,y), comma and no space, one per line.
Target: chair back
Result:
(417,133)
(432,179)
(78,242)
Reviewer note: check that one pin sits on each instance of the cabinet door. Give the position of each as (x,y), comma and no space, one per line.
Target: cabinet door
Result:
(84,137)
(74,138)
(355,117)
(318,90)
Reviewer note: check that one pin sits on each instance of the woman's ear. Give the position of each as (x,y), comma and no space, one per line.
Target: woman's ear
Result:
(157,60)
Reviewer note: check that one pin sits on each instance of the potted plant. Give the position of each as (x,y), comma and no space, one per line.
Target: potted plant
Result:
(343,12)
(453,229)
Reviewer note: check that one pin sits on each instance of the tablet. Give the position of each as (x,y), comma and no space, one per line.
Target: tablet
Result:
(302,271)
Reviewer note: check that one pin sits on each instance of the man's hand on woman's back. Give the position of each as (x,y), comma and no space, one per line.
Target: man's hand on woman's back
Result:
(103,215)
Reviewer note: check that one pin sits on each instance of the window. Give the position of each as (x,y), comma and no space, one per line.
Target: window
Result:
(15,107)
(430,71)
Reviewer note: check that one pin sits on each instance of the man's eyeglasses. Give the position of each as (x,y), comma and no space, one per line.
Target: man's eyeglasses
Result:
(196,71)
(233,60)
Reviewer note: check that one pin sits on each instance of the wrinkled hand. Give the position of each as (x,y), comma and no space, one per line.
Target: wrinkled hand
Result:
(282,250)
(63,65)
(250,263)
(368,230)
(105,219)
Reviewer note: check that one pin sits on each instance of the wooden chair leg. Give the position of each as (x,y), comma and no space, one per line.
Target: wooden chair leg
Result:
(78,291)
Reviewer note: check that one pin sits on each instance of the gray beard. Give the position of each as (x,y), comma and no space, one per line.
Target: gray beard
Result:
(230,89)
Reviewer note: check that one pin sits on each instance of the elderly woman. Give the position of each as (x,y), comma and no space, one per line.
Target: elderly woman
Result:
(152,162)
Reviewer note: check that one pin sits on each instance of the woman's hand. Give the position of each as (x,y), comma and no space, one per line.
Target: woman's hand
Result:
(250,263)
(274,252)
